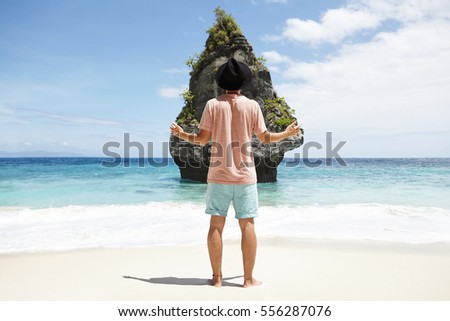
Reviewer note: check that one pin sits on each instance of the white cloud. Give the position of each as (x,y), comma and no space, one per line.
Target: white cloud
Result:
(381,92)
(177,71)
(70,119)
(273,57)
(171,92)
(406,10)
(278,1)
(335,25)
(274,69)
(358,15)
(394,84)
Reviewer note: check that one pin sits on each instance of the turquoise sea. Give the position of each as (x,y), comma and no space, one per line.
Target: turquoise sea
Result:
(59,203)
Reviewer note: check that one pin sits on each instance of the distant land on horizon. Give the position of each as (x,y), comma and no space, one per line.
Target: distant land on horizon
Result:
(39,154)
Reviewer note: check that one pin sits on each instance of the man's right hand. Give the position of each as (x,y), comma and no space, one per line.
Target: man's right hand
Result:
(176,129)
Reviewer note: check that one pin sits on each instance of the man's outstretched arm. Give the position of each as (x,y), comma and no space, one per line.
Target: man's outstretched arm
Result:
(202,138)
(268,137)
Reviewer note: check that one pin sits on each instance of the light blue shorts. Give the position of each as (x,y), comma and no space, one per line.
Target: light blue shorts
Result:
(243,196)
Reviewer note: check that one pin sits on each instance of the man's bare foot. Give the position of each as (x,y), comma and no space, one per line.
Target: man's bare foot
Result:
(251,283)
(216,281)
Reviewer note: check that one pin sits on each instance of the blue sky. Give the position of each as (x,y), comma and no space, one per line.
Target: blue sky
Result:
(77,74)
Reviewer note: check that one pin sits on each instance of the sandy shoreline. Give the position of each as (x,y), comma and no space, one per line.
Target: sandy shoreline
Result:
(290,270)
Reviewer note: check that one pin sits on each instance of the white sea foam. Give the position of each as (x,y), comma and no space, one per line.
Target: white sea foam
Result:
(168,223)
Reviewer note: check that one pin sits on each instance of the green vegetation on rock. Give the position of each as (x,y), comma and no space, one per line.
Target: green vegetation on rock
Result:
(278,112)
(221,34)
(193,62)
(187,114)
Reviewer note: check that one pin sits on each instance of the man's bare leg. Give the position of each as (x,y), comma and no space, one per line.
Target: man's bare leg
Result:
(215,246)
(248,246)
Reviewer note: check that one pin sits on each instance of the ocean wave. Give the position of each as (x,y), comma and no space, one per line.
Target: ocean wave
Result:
(170,223)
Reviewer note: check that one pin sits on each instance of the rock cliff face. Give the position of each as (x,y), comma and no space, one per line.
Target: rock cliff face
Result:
(225,41)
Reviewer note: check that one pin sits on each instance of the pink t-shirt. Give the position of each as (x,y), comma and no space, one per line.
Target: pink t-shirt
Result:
(232,119)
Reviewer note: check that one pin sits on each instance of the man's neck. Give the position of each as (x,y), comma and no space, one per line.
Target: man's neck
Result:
(231,92)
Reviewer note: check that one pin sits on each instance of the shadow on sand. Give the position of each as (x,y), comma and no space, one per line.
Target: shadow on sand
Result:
(171,280)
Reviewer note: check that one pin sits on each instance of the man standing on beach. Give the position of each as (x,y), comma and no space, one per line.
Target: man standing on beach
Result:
(229,122)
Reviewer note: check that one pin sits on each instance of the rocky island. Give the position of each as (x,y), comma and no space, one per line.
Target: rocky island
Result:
(226,40)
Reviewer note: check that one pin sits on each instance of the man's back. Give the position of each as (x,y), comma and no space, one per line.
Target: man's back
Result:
(229,122)
(231,119)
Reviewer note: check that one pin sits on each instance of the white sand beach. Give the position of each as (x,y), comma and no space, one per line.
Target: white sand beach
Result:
(289,269)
